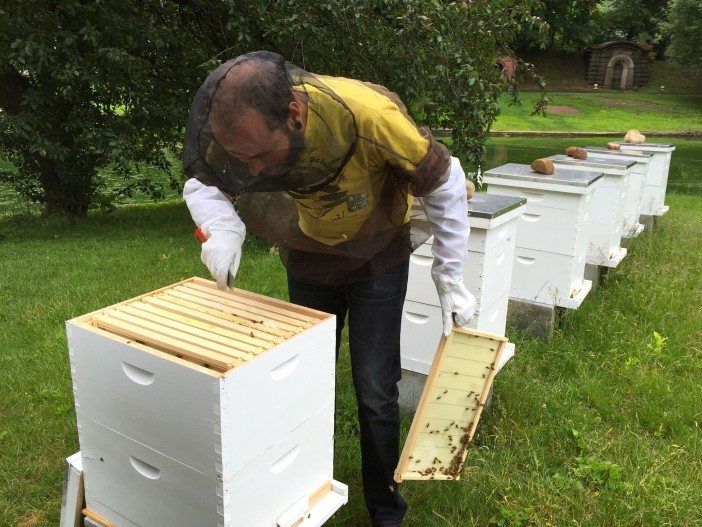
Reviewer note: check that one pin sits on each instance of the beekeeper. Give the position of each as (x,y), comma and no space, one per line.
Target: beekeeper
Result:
(330,169)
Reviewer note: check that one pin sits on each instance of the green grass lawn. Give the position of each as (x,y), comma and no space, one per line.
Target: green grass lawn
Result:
(607,111)
(599,426)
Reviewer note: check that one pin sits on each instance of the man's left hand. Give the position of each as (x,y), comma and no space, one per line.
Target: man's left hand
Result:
(457,303)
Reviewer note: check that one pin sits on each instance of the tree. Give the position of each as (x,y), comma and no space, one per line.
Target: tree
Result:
(84,85)
(683,26)
(628,19)
(566,24)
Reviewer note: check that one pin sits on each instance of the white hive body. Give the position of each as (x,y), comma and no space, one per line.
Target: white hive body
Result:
(607,216)
(487,273)
(653,202)
(202,407)
(552,232)
(635,189)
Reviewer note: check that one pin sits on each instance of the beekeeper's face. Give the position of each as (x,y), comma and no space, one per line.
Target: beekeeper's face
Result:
(264,150)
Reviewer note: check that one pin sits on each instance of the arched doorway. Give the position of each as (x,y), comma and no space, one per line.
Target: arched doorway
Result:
(620,72)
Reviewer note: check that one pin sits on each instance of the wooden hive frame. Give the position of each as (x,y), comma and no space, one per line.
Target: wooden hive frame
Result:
(196,322)
(450,406)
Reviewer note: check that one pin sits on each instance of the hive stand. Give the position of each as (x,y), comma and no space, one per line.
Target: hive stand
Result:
(607,221)
(635,192)
(656,178)
(487,273)
(202,407)
(552,233)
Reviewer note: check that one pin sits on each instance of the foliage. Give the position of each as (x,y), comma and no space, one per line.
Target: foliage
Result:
(632,20)
(657,344)
(566,25)
(597,473)
(683,26)
(86,85)
(509,516)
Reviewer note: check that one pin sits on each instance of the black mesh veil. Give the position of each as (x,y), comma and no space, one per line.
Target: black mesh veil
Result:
(333,191)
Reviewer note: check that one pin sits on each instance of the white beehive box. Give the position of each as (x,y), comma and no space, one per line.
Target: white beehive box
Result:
(636,188)
(552,235)
(487,273)
(202,407)
(657,176)
(606,222)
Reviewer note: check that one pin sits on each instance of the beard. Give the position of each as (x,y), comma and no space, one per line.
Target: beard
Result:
(295,149)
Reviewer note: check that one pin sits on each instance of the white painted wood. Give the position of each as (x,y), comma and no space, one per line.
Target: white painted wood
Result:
(289,471)
(267,397)
(107,389)
(545,277)
(484,234)
(554,196)
(607,214)
(553,238)
(168,442)
(486,275)
(142,484)
(656,177)
(72,492)
(150,488)
(635,189)
(422,328)
(326,508)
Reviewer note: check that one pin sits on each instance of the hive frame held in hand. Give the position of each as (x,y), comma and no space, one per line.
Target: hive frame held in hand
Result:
(474,366)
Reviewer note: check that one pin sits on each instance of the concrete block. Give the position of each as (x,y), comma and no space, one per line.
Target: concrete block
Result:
(533,319)
(410,386)
(649,222)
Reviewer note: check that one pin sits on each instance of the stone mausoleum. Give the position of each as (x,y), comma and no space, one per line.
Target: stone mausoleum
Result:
(617,65)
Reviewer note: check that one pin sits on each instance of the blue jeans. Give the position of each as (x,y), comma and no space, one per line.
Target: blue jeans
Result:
(374,310)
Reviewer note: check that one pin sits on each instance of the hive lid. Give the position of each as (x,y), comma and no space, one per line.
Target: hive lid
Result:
(561,176)
(651,147)
(623,153)
(491,206)
(199,323)
(595,161)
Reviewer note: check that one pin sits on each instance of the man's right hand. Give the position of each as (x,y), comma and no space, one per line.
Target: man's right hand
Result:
(221,253)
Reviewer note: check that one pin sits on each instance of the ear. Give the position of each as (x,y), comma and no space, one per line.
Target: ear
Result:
(294,115)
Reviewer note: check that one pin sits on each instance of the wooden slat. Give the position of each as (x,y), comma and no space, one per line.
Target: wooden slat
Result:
(255,320)
(280,321)
(314,314)
(97,518)
(162,342)
(205,330)
(242,350)
(252,328)
(183,337)
(450,406)
(263,304)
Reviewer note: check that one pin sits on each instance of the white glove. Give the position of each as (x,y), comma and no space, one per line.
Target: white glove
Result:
(457,303)
(214,214)
(221,253)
